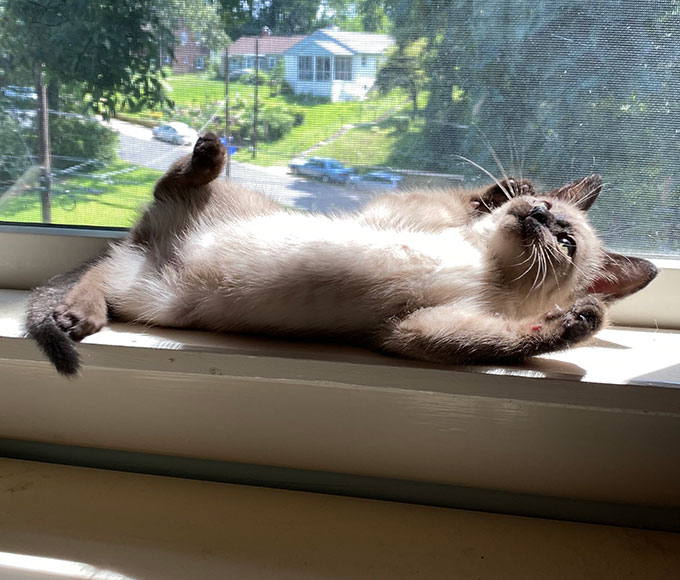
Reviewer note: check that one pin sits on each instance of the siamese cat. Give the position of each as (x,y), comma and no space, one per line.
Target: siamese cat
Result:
(491,275)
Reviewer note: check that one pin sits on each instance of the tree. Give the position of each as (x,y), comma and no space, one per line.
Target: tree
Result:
(108,49)
(404,68)
(200,16)
(248,17)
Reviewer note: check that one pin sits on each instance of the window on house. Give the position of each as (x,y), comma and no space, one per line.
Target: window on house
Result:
(323,68)
(184,37)
(343,68)
(200,62)
(305,68)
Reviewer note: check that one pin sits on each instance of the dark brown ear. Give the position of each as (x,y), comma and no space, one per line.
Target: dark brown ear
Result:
(623,275)
(582,193)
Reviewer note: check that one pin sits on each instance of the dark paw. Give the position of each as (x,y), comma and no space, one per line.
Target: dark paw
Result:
(208,153)
(584,319)
(503,191)
(76,322)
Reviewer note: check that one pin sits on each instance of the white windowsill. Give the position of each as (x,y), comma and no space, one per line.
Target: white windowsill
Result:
(595,423)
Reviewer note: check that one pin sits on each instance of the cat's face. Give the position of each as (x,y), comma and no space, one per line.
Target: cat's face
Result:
(544,247)
(548,253)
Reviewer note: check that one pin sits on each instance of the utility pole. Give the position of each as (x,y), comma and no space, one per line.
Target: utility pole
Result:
(257,83)
(227,127)
(44,158)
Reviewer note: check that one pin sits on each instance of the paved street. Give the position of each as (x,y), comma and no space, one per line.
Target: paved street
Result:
(137,146)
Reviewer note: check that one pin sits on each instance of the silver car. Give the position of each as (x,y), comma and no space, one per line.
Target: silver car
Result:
(375,181)
(175,132)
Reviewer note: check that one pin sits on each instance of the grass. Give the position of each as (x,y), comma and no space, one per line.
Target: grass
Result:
(92,200)
(321,122)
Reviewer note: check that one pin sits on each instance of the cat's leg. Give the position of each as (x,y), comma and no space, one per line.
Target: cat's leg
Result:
(202,166)
(453,335)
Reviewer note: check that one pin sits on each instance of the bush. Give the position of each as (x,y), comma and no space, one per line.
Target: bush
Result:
(14,158)
(401,122)
(273,122)
(81,138)
(249,78)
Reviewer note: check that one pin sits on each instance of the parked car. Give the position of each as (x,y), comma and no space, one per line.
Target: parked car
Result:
(323,168)
(375,181)
(20,93)
(175,132)
(237,74)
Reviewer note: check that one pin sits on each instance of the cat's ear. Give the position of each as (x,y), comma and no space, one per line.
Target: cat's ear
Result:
(581,193)
(622,275)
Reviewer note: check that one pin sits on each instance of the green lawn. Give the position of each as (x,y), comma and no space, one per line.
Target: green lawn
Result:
(111,202)
(321,122)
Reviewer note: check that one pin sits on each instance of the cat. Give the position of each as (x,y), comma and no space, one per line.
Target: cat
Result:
(465,276)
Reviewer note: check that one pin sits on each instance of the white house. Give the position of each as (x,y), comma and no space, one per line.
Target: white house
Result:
(270,50)
(336,64)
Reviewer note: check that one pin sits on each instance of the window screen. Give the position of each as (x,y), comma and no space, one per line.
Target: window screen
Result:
(447,93)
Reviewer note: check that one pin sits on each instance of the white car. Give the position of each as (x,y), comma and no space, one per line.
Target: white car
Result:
(175,132)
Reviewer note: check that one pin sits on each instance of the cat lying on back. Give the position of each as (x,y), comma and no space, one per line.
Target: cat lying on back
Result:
(469,276)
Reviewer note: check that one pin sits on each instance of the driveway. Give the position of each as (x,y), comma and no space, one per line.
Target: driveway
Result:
(138,146)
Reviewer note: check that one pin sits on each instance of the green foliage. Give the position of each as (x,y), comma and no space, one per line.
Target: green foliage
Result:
(250,77)
(110,49)
(554,91)
(273,122)
(248,17)
(15,151)
(78,138)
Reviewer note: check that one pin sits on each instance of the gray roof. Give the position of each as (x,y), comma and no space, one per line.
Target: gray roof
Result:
(343,43)
(359,42)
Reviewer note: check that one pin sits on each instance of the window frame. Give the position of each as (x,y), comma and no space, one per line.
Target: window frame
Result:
(306,72)
(344,68)
(323,73)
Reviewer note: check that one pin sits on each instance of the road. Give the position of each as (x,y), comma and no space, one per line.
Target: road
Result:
(137,146)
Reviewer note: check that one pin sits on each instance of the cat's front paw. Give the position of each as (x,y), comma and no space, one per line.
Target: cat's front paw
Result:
(80,319)
(582,320)
(501,192)
(518,187)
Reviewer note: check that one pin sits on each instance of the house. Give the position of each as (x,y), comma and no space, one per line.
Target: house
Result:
(270,49)
(191,55)
(336,64)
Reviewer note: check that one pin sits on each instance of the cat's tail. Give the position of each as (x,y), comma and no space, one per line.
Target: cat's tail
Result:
(41,324)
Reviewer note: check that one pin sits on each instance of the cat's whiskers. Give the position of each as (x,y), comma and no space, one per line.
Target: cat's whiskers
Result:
(533,257)
(495,157)
(495,179)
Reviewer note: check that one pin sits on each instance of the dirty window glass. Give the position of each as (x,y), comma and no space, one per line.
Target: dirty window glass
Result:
(442,94)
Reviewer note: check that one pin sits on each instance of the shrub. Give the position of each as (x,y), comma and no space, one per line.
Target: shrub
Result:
(273,122)
(81,138)
(249,78)
(401,122)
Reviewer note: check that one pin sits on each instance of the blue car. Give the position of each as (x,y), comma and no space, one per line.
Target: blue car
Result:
(323,168)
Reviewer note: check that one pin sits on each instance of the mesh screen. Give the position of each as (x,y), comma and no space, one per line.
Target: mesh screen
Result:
(97,99)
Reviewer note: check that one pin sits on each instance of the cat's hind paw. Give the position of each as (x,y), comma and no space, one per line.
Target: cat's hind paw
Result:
(207,159)
(80,320)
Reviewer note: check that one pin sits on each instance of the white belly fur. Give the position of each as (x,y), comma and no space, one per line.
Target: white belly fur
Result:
(294,272)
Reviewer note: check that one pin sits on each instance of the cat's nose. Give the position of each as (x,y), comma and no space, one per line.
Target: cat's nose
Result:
(540,212)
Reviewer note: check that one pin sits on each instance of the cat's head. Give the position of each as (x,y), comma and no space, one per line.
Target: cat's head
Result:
(546,248)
